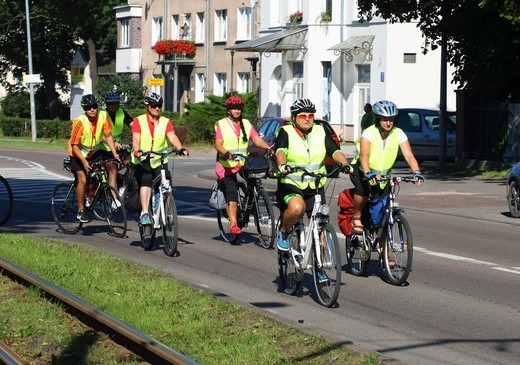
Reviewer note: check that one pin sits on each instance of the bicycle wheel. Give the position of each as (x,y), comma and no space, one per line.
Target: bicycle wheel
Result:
(513,198)
(223,226)
(65,208)
(264,219)
(358,256)
(290,268)
(327,287)
(170,226)
(6,194)
(398,251)
(115,211)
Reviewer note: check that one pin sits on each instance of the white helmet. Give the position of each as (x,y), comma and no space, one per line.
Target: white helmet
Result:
(385,109)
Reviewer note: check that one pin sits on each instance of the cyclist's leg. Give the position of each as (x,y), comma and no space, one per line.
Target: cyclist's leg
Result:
(361,192)
(291,198)
(81,186)
(143,175)
(229,184)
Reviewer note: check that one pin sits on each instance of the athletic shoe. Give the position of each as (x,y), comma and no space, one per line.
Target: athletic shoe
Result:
(283,241)
(322,277)
(115,204)
(83,216)
(234,229)
(145,219)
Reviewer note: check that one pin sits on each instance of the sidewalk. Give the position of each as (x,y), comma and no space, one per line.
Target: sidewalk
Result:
(455,194)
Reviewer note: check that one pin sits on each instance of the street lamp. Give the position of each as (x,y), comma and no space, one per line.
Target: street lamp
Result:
(31,84)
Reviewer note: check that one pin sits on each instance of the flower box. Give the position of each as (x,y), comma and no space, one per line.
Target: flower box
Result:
(178,48)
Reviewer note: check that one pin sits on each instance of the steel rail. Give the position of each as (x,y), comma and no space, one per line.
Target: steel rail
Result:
(141,344)
(9,357)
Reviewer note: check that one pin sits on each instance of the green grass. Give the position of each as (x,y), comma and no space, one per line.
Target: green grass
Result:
(194,322)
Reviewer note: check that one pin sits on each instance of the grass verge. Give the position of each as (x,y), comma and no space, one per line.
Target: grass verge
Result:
(199,325)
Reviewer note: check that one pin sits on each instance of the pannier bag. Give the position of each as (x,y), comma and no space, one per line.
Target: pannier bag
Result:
(256,166)
(376,209)
(346,211)
(217,200)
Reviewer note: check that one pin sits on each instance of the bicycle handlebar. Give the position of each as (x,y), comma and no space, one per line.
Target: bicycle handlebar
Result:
(163,154)
(308,172)
(396,179)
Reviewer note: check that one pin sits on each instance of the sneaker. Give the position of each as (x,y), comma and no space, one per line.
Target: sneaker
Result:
(83,216)
(322,277)
(145,219)
(116,204)
(283,241)
(234,229)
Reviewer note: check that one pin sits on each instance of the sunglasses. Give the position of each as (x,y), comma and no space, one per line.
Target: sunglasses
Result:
(89,107)
(304,116)
(113,103)
(153,106)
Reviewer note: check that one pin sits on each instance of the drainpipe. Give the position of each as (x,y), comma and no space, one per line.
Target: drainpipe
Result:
(341,73)
(206,41)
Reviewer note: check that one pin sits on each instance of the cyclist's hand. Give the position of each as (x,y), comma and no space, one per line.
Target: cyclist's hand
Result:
(184,151)
(138,153)
(419,178)
(370,176)
(284,169)
(347,169)
(116,156)
(269,152)
(228,156)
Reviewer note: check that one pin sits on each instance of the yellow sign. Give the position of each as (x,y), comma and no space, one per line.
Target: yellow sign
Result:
(155,82)
(77,74)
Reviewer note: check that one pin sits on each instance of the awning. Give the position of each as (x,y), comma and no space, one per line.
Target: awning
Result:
(284,40)
(354,46)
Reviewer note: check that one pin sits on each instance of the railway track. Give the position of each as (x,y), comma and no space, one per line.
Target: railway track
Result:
(125,335)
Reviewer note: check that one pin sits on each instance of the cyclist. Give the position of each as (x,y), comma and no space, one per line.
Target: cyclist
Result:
(232,135)
(151,132)
(377,152)
(88,129)
(301,143)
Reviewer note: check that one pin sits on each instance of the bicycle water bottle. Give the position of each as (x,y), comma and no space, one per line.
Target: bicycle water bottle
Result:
(155,202)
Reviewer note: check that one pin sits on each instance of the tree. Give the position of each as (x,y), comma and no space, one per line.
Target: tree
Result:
(483,38)
(131,91)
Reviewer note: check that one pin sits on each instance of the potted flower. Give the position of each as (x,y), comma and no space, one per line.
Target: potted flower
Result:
(178,48)
(295,18)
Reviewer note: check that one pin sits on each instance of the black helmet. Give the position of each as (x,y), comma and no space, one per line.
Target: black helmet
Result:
(153,98)
(88,99)
(300,105)
(112,97)
(385,109)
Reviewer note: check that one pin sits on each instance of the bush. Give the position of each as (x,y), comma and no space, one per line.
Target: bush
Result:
(21,127)
(17,104)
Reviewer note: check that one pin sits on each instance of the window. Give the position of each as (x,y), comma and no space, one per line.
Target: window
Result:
(175,27)
(125,34)
(409,58)
(244,82)
(200,28)
(157,31)
(297,75)
(363,73)
(298,70)
(200,86)
(220,25)
(186,27)
(244,23)
(220,84)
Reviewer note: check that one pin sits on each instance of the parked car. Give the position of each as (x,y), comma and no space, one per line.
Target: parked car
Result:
(268,130)
(422,128)
(513,190)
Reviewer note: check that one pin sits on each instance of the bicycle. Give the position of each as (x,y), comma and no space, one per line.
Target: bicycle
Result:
(164,210)
(6,193)
(252,199)
(314,247)
(392,239)
(65,204)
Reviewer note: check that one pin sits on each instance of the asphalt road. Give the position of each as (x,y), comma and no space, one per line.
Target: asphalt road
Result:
(461,304)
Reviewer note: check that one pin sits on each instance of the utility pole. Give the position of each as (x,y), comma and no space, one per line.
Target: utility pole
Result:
(31,84)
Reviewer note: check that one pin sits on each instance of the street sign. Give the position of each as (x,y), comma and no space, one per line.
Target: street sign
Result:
(32,78)
(155,82)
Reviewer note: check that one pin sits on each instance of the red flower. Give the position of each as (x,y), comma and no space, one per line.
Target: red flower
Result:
(178,47)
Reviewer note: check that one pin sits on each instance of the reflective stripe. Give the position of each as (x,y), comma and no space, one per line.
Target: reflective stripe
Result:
(232,142)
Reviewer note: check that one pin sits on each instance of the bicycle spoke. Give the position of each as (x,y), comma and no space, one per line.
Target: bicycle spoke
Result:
(65,208)
(264,219)
(115,212)
(327,275)
(223,226)
(398,251)
(358,256)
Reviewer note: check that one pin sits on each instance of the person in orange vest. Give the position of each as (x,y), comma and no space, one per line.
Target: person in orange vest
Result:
(232,135)
(151,132)
(88,130)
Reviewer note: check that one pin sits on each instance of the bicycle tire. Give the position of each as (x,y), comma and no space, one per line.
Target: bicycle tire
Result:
(147,234)
(358,258)
(5,193)
(328,292)
(114,211)
(223,226)
(264,219)
(291,274)
(401,251)
(171,226)
(513,198)
(64,205)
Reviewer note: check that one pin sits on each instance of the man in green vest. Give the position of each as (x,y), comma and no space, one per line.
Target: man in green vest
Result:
(151,132)
(232,135)
(378,148)
(301,143)
(88,130)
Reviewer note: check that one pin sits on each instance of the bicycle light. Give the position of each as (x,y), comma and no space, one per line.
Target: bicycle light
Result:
(324,209)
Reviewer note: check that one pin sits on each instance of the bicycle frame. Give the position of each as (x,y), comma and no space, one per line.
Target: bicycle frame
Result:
(159,217)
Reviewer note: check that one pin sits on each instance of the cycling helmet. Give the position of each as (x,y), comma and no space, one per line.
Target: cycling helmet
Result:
(112,97)
(385,109)
(88,99)
(153,98)
(300,105)
(234,102)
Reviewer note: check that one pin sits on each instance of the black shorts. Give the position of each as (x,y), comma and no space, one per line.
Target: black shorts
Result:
(229,185)
(144,174)
(308,195)
(363,188)
(77,165)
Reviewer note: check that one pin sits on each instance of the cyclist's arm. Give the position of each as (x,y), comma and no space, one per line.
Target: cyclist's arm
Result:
(281,147)
(364,154)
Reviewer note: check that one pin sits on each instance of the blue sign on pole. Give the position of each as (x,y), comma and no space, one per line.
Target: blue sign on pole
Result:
(382,77)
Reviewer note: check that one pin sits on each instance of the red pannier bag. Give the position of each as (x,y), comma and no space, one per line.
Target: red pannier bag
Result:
(346,211)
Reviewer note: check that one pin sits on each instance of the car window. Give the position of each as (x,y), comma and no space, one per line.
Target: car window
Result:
(432,122)
(409,122)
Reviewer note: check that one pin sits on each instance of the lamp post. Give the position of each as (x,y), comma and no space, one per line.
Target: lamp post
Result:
(31,84)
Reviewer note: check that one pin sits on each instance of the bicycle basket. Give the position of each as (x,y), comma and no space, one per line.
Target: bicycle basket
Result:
(376,209)
(256,166)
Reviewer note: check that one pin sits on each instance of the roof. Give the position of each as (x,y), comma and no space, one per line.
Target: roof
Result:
(284,40)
